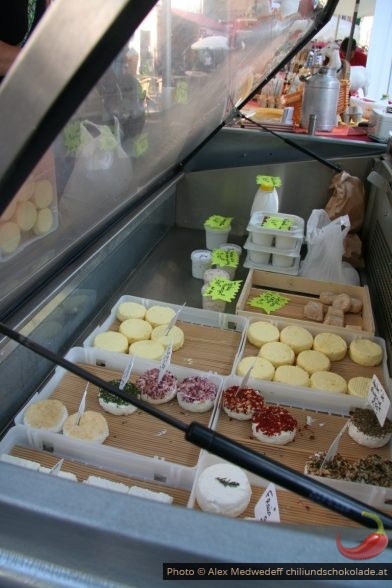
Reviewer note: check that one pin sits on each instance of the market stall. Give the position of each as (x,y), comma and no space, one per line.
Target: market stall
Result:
(131,206)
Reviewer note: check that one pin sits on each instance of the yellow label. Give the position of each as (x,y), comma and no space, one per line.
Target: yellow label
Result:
(225,258)
(271,181)
(218,222)
(269,301)
(141,144)
(277,223)
(221,289)
(181,95)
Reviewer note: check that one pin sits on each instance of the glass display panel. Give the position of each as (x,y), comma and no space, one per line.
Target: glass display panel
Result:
(184,69)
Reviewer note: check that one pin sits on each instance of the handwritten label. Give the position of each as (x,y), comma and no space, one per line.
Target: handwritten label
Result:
(273,181)
(225,258)
(269,301)
(378,400)
(127,372)
(277,223)
(218,222)
(267,508)
(221,289)
(141,144)
(181,94)
(165,362)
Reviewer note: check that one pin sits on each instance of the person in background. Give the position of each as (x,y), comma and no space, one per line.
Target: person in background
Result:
(18,18)
(357,57)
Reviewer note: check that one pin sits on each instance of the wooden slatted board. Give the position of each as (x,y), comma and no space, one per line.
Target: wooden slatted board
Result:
(138,432)
(83,471)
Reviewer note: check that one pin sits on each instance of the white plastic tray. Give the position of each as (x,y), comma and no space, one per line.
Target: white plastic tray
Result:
(117,362)
(101,456)
(197,316)
(295,252)
(310,397)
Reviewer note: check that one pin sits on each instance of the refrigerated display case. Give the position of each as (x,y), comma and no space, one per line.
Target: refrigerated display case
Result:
(140,155)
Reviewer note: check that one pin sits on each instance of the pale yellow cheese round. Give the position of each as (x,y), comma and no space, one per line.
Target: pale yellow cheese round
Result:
(175,336)
(159,315)
(359,386)
(9,211)
(291,374)
(136,330)
(128,310)
(328,382)
(261,332)
(365,352)
(297,337)
(147,349)
(111,341)
(9,237)
(334,346)
(92,426)
(25,192)
(44,222)
(313,361)
(262,368)
(277,353)
(48,414)
(43,194)
(25,215)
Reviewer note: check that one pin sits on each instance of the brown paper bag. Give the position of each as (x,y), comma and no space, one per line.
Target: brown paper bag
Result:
(347,196)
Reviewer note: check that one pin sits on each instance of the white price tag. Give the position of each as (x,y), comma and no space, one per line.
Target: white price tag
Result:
(127,372)
(267,508)
(174,320)
(165,362)
(82,405)
(378,400)
(333,448)
(54,471)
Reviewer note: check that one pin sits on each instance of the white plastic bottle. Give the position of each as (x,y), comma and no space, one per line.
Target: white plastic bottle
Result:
(266,198)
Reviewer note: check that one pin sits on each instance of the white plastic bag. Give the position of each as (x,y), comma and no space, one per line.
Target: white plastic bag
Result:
(325,239)
(103,170)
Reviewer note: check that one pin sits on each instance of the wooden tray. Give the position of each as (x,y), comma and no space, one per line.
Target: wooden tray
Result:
(300,291)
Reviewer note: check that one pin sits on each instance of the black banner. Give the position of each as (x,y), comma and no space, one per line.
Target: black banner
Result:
(256,571)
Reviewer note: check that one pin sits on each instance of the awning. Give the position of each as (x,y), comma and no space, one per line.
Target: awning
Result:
(200,20)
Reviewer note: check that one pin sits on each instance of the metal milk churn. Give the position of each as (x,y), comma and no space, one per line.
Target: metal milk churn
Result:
(320,97)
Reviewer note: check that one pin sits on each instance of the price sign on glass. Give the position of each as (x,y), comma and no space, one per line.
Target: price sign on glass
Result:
(269,301)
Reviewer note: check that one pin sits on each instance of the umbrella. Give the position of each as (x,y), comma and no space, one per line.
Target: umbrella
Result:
(347,8)
(356,9)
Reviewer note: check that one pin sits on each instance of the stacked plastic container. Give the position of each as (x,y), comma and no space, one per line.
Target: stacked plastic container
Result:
(274,242)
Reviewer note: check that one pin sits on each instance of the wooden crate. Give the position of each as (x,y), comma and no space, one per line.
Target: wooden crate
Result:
(300,291)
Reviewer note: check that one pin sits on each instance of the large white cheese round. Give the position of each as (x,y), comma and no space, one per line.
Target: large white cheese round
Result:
(223,489)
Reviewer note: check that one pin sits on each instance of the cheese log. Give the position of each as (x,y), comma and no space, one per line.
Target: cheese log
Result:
(313,361)
(175,336)
(328,382)
(291,374)
(277,353)
(9,211)
(147,349)
(262,368)
(359,386)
